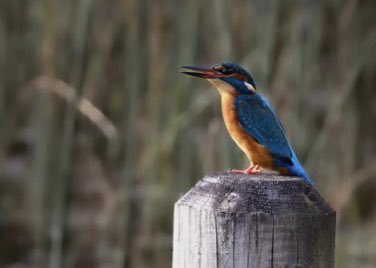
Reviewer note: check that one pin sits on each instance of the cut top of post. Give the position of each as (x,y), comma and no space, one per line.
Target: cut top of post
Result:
(261,193)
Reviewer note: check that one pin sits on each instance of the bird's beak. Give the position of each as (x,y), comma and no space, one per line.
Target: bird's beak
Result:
(202,71)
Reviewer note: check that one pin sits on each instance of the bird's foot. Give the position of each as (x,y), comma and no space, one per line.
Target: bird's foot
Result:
(253,169)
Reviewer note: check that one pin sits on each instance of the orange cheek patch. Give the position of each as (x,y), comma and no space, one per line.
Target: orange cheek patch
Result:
(240,77)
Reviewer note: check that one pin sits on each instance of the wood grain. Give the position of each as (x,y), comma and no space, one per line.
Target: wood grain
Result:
(243,221)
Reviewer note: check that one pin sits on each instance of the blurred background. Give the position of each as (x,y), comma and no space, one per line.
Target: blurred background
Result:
(100,134)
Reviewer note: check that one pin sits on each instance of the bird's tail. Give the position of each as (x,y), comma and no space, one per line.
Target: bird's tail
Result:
(297,170)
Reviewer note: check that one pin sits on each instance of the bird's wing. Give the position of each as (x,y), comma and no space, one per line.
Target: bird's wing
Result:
(257,118)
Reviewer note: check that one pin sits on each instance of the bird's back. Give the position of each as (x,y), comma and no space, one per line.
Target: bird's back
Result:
(258,120)
(255,152)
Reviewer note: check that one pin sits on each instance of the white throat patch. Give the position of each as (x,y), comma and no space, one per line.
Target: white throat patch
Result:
(222,86)
(225,87)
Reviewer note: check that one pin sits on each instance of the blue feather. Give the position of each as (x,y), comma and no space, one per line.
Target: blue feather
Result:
(257,118)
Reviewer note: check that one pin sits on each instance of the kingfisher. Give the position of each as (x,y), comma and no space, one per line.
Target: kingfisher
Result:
(251,121)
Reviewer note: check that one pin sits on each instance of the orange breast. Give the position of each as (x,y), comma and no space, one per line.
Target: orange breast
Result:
(256,153)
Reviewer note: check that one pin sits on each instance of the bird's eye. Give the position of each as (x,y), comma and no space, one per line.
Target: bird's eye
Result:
(223,69)
(227,70)
(218,68)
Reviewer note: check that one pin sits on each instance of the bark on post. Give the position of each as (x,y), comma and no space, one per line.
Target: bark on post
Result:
(243,221)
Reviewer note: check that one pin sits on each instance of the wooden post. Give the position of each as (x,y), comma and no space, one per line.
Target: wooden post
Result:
(243,221)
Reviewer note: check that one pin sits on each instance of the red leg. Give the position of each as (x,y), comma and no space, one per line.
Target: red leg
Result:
(253,169)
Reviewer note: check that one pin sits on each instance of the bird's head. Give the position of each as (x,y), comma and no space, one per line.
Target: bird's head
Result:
(226,77)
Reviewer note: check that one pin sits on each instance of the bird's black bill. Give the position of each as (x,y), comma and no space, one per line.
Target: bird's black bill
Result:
(202,72)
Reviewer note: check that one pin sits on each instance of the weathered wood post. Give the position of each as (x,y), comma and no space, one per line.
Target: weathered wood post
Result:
(242,221)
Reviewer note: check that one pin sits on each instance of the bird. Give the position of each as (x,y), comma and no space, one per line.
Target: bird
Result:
(251,121)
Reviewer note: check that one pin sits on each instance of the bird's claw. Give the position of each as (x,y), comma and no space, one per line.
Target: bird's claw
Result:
(254,169)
